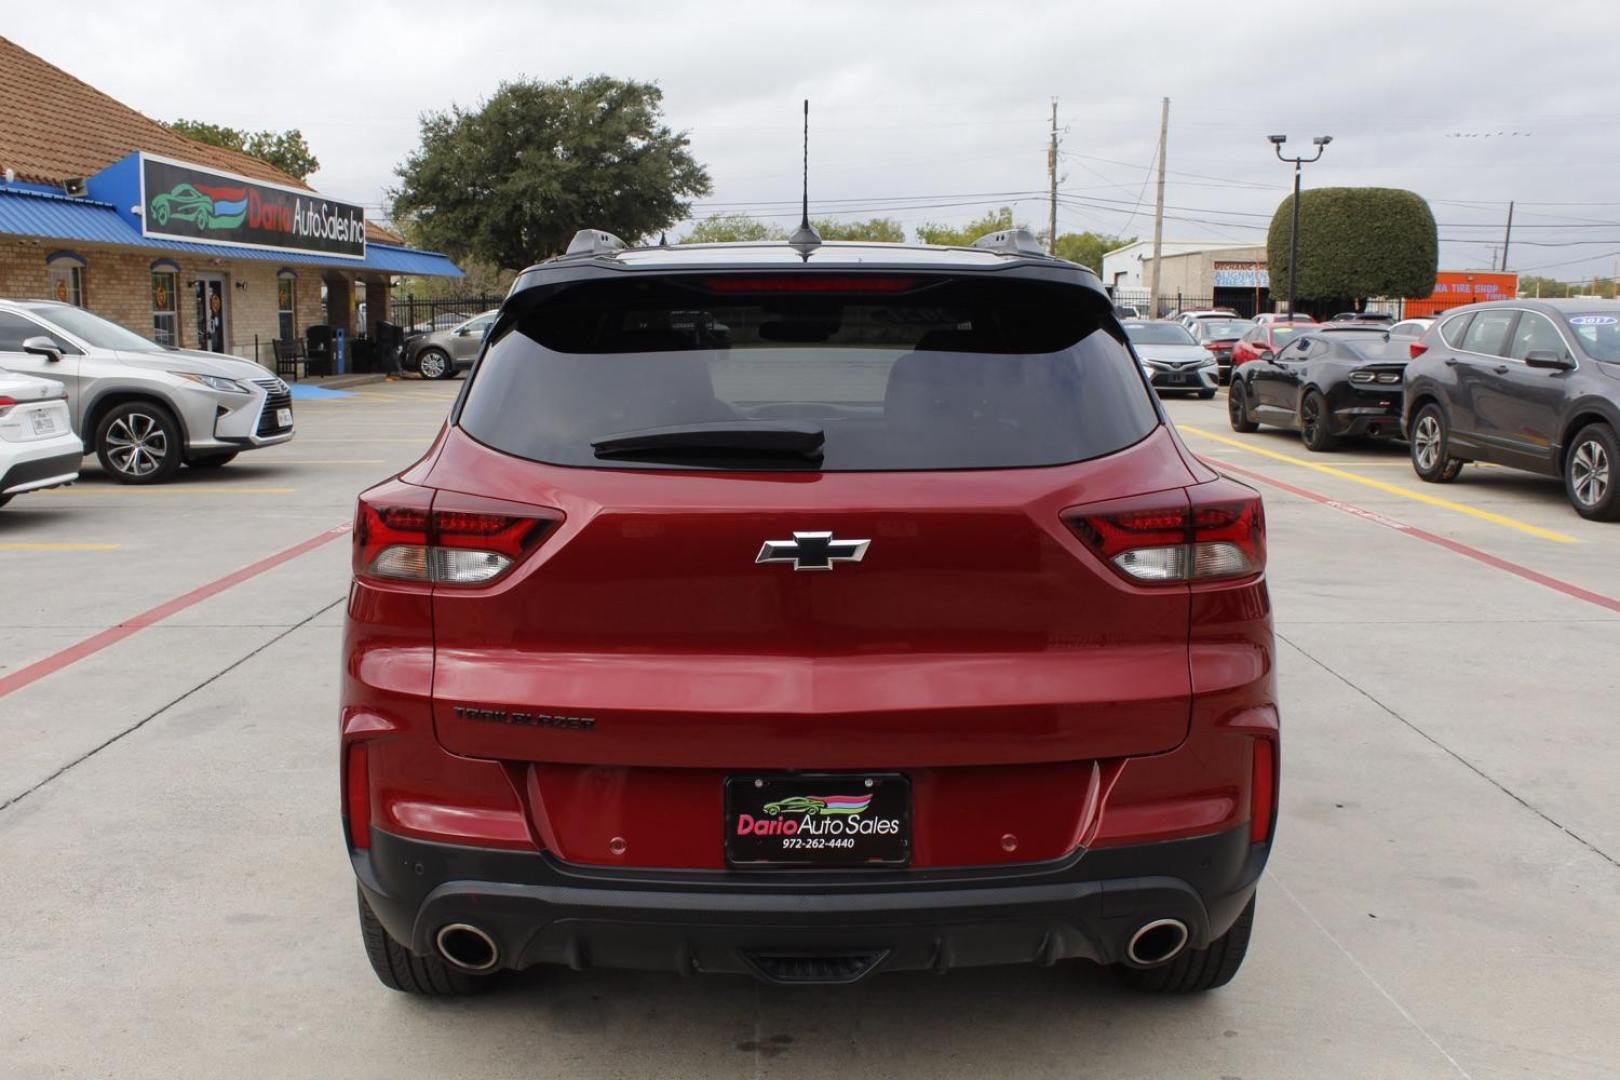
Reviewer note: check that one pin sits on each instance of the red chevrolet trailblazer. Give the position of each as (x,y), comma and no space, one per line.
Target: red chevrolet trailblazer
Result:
(808,610)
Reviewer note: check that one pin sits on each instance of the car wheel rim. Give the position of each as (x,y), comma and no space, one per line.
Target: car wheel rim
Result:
(432,366)
(1234,402)
(1312,419)
(137,444)
(1426,443)
(1589,472)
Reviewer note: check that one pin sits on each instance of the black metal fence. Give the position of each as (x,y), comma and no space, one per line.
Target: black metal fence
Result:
(419,316)
(1242,301)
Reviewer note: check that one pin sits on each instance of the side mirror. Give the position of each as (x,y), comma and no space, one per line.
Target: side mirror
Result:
(42,346)
(1267,354)
(1541,358)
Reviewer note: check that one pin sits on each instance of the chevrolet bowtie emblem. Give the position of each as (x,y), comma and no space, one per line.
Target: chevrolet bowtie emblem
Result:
(812,551)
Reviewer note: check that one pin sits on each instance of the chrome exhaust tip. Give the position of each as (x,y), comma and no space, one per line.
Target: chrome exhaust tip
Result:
(1157,942)
(467,947)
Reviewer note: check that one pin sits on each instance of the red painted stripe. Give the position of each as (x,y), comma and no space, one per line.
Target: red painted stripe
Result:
(1517,570)
(112,635)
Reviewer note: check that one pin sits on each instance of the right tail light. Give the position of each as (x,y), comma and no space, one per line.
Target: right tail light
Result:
(1211,532)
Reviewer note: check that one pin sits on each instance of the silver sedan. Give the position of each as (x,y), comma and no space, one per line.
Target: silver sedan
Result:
(442,353)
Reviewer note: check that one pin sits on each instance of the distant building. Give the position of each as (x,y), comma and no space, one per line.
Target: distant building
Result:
(1192,273)
(188,244)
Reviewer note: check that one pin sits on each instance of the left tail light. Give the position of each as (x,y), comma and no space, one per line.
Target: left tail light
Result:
(1211,532)
(404,533)
(1416,349)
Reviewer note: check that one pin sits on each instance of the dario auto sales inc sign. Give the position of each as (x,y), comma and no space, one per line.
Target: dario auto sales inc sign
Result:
(185,202)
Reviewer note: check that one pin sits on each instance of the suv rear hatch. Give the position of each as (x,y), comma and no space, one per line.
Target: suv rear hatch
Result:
(674,454)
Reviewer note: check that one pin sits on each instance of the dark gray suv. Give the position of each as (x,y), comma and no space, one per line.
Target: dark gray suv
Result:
(1530,384)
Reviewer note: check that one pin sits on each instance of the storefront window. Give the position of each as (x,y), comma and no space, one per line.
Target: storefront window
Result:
(67,283)
(286,301)
(165,308)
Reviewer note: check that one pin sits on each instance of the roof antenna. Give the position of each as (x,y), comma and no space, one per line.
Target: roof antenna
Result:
(805,238)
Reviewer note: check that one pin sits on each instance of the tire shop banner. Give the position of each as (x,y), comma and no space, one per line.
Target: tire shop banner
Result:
(187,202)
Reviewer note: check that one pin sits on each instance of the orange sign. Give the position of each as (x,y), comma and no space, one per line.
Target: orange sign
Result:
(1453,288)
(1472,287)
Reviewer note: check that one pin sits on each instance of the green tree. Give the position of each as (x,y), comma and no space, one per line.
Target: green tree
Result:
(511,181)
(878,230)
(1355,243)
(952,236)
(286,150)
(1533,285)
(1087,248)
(727,228)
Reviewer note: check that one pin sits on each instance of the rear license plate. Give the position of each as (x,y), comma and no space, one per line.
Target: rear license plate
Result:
(818,819)
(44,424)
(284,418)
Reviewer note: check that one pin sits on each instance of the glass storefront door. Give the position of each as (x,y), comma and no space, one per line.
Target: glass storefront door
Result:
(209,297)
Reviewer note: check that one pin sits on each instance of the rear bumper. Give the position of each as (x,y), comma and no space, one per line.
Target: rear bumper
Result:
(1380,420)
(48,464)
(541,911)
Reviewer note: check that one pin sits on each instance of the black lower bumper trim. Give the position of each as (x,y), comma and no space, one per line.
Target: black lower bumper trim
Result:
(28,472)
(808,926)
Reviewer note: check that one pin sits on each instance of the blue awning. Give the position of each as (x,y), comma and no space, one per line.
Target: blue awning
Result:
(57,217)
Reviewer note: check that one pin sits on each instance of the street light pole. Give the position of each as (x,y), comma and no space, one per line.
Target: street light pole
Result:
(1277,141)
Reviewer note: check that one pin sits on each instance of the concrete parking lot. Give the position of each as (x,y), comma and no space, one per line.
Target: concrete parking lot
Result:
(1442,901)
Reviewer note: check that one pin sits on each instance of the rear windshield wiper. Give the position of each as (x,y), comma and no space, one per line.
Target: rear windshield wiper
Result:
(791,439)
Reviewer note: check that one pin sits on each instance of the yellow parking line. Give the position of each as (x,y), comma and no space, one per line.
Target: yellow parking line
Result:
(1392,489)
(168,489)
(59,547)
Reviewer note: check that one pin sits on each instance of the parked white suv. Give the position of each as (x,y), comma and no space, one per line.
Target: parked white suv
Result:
(144,409)
(37,446)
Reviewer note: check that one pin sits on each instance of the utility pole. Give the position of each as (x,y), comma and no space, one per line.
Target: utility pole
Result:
(1507,237)
(1051,173)
(1158,213)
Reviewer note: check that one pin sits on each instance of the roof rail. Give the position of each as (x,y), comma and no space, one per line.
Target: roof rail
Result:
(1011,242)
(594,242)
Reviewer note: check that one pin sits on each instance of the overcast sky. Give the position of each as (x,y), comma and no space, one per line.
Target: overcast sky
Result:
(947,103)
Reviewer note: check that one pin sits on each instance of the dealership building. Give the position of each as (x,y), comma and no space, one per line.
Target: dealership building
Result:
(192,245)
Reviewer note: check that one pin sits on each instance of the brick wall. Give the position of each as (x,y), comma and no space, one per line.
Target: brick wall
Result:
(118,285)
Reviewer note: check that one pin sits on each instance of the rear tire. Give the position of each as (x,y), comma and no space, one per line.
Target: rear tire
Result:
(400,969)
(1429,443)
(1237,409)
(435,364)
(1592,473)
(1315,423)
(1196,970)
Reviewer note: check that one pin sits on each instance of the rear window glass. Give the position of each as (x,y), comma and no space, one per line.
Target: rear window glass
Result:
(1214,329)
(894,372)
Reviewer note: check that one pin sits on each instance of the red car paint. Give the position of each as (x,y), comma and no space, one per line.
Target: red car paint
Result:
(1077,707)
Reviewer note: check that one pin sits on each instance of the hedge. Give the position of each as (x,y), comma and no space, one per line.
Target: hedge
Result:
(1355,243)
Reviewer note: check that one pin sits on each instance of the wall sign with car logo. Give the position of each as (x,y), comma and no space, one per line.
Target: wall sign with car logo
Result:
(186,202)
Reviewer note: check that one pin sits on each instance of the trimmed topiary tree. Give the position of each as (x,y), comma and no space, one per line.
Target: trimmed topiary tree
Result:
(1355,243)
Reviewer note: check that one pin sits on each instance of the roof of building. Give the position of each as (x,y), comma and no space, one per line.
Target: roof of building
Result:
(1187,247)
(58,218)
(54,126)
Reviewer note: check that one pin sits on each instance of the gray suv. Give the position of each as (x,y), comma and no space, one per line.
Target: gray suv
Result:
(143,409)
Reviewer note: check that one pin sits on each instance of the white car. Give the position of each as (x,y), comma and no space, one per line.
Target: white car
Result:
(1171,358)
(37,446)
